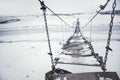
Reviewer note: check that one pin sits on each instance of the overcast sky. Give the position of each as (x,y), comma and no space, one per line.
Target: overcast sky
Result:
(24,7)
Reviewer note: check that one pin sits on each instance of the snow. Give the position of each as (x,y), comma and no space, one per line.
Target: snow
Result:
(23,45)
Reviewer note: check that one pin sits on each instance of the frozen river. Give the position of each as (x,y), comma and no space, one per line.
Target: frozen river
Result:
(23,47)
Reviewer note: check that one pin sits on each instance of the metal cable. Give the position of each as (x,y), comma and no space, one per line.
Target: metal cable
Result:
(91,19)
(58,16)
(101,8)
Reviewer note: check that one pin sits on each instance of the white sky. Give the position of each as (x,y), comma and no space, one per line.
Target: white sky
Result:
(24,7)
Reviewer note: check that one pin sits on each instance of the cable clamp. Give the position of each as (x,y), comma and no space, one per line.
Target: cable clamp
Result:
(102,7)
(109,48)
(50,53)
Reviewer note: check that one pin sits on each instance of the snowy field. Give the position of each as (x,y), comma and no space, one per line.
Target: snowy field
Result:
(23,44)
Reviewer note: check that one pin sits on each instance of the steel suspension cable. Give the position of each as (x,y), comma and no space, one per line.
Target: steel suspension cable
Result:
(91,19)
(58,16)
(101,8)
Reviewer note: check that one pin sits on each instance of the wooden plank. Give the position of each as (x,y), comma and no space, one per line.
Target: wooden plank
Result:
(89,76)
(97,65)
(78,54)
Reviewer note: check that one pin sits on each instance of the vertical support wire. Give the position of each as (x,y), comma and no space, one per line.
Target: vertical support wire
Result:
(91,31)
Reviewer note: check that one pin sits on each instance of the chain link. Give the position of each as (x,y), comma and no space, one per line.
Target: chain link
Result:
(43,7)
(110,33)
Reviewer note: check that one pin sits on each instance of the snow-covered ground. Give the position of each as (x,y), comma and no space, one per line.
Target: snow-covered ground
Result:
(23,44)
